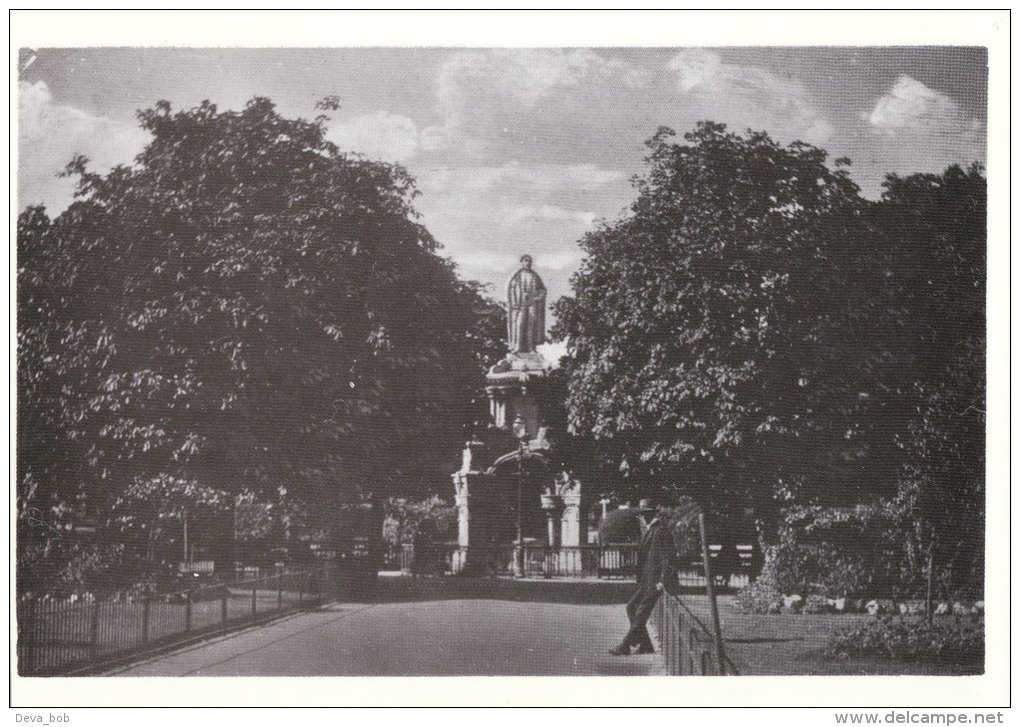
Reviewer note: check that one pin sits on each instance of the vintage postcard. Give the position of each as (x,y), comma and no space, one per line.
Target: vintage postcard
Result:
(404,345)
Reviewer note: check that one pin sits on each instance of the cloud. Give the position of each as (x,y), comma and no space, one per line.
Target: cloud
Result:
(551,212)
(50,134)
(553,352)
(500,103)
(504,166)
(382,135)
(487,260)
(489,101)
(918,129)
(523,77)
(567,259)
(910,104)
(747,97)
(486,217)
(542,178)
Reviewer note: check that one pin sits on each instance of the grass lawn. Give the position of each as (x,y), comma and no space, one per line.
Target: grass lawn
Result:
(794,643)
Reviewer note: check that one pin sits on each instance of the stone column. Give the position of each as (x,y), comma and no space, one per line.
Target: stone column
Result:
(553,506)
(460,485)
(462,496)
(570,521)
(497,408)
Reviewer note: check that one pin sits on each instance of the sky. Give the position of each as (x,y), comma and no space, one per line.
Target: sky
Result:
(515,150)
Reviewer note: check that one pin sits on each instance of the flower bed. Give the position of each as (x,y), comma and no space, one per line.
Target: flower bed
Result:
(958,640)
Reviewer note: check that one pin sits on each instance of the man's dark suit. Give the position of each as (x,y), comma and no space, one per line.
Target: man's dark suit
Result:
(656,564)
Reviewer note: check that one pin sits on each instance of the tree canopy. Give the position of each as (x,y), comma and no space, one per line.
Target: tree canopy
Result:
(753,331)
(694,329)
(245,307)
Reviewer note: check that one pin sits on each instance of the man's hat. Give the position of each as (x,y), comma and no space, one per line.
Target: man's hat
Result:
(648,504)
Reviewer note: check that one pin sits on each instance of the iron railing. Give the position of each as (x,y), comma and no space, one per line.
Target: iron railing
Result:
(68,637)
(540,561)
(688,647)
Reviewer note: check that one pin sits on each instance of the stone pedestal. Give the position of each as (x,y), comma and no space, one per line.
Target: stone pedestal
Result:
(511,385)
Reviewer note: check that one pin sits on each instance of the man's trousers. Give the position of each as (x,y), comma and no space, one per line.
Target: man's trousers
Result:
(639,609)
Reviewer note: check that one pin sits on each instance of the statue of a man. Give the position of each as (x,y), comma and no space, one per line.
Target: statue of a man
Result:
(526,309)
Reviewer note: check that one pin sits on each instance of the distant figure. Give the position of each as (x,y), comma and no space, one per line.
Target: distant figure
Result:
(657,571)
(525,309)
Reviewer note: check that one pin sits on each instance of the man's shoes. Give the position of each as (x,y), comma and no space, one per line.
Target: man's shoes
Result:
(646,650)
(620,650)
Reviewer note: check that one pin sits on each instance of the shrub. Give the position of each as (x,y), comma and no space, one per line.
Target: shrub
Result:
(817,604)
(797,567)
(959,640)
(153,579)
(761,596)
(837,552)
(432,517)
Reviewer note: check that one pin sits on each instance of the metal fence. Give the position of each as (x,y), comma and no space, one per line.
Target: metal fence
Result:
(64,637)
(537,561)
(688,646)
(540,561)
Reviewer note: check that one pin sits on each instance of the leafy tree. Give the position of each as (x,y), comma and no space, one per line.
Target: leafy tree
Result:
(697,327)
(153,513)
(754,333)
(404,519)
(934,235)
(60,356)
(242,308)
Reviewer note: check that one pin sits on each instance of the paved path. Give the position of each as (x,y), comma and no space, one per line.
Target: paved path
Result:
(431,627)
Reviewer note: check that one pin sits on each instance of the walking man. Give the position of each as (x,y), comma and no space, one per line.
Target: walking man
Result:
(657,571)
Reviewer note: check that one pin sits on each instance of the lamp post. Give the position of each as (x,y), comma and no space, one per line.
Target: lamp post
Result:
(520,431)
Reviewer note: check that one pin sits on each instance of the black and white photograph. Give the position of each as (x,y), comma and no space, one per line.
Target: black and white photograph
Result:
(459,361)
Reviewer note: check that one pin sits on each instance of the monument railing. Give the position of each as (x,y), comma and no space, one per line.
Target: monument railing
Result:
(610,560)
(62,637)
(586,561)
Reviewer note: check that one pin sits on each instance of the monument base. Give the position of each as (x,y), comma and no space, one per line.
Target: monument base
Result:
(508,383)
